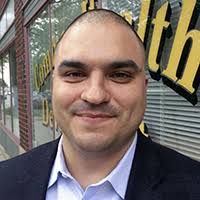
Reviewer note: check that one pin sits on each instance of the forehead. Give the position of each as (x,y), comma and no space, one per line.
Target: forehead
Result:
(99,42)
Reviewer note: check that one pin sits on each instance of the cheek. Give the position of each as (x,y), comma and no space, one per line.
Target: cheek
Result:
(63,94)
(132,102)
(128,97)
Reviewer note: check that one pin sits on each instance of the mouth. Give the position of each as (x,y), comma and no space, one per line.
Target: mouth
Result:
(94,117)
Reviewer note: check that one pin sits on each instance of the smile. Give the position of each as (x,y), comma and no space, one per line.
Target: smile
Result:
(94,117)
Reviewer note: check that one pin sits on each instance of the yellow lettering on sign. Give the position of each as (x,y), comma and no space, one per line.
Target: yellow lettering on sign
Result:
(47,64)
(42,71)
(128,16)
(44,64)
(41,74)
(143,18)
(142,128)
(51,119)
(87,5)
(84,5)
(192,59)
(159,23)
(36,81)
(91,5)
(47,115)
(45,112)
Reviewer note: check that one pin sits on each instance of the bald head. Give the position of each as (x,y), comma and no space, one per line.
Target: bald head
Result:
(100,16)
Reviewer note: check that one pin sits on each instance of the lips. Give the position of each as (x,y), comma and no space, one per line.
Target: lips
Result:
(94,117)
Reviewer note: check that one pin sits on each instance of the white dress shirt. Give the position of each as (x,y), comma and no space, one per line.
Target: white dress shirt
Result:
(62,186)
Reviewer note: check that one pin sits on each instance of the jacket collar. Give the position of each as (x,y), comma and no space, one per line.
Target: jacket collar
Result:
(146,171)
(35,177)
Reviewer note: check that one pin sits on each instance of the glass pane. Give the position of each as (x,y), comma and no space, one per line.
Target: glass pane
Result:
(122,6)
(7,18)
(3,24)
(14,90)
(10,13)
(7,92)
(39,41)
(62,14)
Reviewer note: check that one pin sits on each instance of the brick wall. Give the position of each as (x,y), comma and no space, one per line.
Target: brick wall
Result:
(22,79)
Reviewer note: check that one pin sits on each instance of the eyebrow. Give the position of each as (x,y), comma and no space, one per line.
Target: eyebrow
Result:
(112,65)
(72,63)
(124,64)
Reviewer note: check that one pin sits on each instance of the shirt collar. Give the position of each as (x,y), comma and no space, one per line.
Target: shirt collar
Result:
(120,174)
(118,177)
(59,166)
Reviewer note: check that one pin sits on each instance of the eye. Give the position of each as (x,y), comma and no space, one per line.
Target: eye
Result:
(121,76)
(74,76)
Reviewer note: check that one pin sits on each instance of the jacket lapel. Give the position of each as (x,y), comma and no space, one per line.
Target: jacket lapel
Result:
(35,178)
(145,173)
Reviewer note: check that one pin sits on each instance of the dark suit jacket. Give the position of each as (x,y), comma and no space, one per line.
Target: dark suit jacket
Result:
(157,174)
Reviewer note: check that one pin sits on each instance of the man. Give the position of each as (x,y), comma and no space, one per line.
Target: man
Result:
(99,98)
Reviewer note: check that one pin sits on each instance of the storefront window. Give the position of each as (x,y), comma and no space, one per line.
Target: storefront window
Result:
(39,39)
(10,13)
(3,25)
(121,5)
(62,14)
(14,91)
(8,92)
(7,18)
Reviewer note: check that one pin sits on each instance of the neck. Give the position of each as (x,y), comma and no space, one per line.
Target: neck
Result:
(89,168)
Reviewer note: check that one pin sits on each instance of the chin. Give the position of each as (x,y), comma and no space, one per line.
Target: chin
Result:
(94,142)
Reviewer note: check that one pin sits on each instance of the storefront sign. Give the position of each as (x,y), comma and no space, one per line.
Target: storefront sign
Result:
(88,5)
(183,70)
(47,115)
(41,71)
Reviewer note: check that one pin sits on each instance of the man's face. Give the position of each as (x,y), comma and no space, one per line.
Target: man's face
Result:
(99,86)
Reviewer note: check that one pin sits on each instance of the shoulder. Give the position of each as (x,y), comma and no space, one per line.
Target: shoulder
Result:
(180,174)
(174,161)
(170,174)
(170,161)
(27,174)
(14,166)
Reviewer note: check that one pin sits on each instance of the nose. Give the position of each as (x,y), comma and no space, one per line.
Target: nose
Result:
(95,91)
